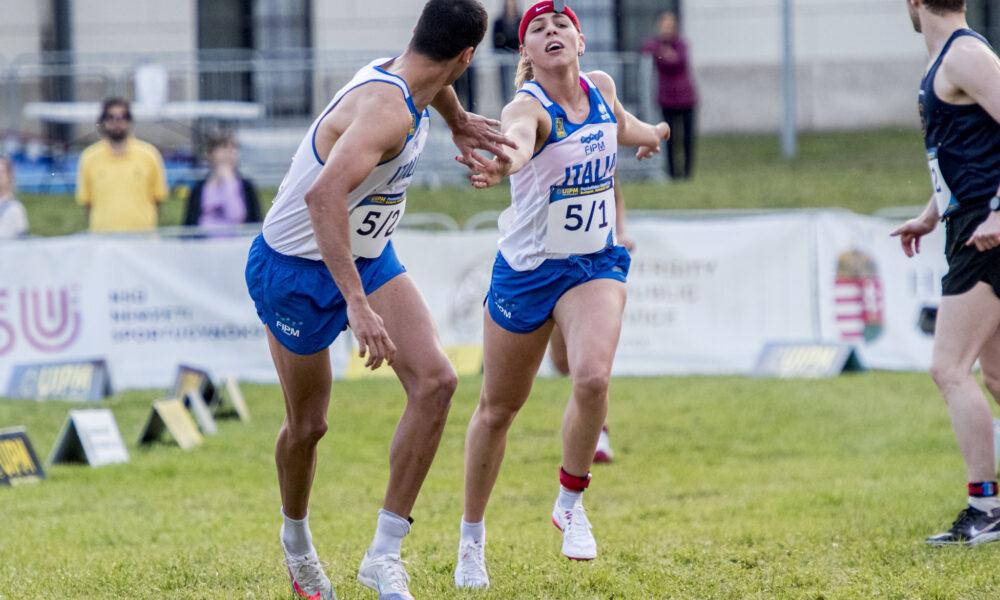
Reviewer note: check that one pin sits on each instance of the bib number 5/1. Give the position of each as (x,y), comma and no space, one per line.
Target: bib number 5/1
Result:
(580,218)
(372,223)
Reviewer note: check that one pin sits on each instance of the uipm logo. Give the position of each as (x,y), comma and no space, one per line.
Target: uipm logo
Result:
(50,318)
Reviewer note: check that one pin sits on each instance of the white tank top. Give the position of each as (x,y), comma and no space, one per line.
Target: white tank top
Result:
(563,200)
(375,206)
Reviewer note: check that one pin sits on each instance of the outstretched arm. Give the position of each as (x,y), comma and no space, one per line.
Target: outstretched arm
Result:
(520,121)
(470,131)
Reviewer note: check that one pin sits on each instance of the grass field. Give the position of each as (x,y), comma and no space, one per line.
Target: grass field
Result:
(723,487)
(862,172)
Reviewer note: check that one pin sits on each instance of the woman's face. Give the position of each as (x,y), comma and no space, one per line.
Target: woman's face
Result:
(225,154)
(668,26)
(552,40)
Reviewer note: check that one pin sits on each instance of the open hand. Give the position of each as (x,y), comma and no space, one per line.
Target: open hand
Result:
(369,331)
(477,132)
(487,173)
(910,232)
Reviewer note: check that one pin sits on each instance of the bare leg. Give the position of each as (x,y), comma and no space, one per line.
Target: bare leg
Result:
(510,363)
(557,351)
(965,323)
(305,382)
(429,381)
(590,316)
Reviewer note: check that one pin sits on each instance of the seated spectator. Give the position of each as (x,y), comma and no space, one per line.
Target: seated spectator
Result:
(224,197)
(121,180)
(13,218)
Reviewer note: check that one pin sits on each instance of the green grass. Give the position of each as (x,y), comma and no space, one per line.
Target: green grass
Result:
(724,487)
(862,172)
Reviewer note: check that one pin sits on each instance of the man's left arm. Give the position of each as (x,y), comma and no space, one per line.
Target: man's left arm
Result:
(470,131)
(158,190)
(975,70)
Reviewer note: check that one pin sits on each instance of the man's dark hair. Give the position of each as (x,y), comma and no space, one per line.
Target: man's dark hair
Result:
(447,27)
(945,6)
(114,102)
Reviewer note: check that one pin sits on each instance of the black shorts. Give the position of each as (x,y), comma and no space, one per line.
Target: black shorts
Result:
(967,266)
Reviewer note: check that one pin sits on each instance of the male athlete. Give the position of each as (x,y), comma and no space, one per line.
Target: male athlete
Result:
(960,110)
(325,261)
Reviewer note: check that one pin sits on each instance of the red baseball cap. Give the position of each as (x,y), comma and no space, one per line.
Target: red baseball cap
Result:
(541,8)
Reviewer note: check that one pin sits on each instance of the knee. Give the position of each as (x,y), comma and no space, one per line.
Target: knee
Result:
(591,386)
(435,388)
(305,432)
(495,417)
(947,375)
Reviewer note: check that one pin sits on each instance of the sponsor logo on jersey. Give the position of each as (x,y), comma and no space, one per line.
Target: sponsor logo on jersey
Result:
(560,128)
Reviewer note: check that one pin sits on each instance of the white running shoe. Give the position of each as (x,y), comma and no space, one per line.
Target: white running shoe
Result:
(386,575)
(604,453)
(470,570)
(308,579)
(578,541)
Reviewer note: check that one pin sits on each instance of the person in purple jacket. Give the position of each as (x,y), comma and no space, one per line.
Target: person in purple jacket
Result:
(677,94)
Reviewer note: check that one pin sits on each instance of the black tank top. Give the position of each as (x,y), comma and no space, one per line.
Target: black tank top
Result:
(965,138)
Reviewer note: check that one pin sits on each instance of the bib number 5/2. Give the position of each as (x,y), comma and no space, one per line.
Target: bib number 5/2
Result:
(372,223)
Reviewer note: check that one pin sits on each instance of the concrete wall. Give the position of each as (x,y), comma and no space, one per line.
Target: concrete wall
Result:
(20,28)
(858,63)
(134,26)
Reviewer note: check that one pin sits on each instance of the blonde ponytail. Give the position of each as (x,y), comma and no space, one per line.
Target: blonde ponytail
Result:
(524,73)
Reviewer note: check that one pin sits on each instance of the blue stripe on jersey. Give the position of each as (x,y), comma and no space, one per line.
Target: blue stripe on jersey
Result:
(401,84)
(965,137)
(600,112)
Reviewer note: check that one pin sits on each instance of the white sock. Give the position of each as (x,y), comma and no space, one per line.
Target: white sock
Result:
(568,498)
(984,504)
(389,532)
(295,534)
(475,531)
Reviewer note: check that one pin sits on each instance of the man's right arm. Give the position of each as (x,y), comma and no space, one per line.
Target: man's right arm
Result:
(372,132)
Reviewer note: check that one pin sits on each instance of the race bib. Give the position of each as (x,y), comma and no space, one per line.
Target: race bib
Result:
(581,217)
(943,197)
(373,221)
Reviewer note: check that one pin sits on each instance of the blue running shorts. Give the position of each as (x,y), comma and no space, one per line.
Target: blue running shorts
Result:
(521,301)
(297,299)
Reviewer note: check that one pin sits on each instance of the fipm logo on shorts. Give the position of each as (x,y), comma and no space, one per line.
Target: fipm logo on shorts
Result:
(288,326)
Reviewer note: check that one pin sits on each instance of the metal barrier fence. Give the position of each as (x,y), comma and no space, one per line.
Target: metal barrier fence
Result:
(48,101)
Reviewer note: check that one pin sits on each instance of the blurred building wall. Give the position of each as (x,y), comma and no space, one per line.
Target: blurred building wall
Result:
(858,61)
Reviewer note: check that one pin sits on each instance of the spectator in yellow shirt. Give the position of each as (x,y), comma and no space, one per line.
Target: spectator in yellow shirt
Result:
(121,180)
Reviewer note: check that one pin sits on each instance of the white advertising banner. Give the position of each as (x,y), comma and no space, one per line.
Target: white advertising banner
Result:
(705,295)
(144,304)
(871,295)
